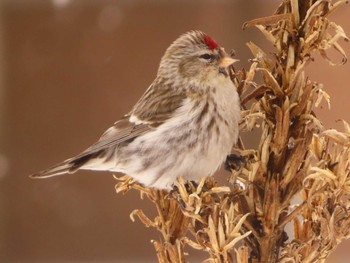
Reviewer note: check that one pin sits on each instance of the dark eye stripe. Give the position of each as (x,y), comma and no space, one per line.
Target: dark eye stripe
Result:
(207,56)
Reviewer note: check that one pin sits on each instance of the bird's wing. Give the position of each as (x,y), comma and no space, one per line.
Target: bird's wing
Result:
(158,103)
(123,131)
(156,106)
(151,111)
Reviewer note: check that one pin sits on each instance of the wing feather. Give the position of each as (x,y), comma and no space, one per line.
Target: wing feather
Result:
(156,106)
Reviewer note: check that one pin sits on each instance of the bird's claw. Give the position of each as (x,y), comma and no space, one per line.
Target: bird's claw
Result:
(234,162)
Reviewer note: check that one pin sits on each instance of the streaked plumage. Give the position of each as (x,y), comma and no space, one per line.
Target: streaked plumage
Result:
(185,124)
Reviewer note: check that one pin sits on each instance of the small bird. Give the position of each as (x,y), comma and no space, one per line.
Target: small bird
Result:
(185,124)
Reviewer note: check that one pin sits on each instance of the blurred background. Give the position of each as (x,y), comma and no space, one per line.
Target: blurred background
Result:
(68,70)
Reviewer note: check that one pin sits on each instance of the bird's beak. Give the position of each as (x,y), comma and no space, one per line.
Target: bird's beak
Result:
(225,63)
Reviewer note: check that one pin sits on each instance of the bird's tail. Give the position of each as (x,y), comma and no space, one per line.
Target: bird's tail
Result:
(69,166)
(58,169)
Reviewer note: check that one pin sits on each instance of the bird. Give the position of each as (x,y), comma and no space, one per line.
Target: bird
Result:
(185,124)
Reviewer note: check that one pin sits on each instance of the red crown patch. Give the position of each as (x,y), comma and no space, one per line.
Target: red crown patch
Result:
(211,43)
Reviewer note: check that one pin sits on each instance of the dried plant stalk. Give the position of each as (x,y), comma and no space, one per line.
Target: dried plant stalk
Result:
(298,175)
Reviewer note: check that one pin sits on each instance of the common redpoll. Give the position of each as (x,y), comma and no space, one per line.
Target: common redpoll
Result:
(185,124)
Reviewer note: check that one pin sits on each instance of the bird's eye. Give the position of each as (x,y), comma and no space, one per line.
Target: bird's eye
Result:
(207,56)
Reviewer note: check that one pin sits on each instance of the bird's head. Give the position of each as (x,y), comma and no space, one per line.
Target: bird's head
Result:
(195,58)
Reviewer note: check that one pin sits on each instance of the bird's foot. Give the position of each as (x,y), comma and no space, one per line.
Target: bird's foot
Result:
(234,162)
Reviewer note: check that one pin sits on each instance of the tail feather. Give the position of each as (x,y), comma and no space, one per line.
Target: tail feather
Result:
(69,166)
(58,169)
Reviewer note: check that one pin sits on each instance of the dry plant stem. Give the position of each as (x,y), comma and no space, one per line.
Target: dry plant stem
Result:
(170,221)
(284,158)
(170,248)
(245,221)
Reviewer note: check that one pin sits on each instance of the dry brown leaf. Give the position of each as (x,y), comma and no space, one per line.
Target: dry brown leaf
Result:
(271,81)
(268,20)
(339,137)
